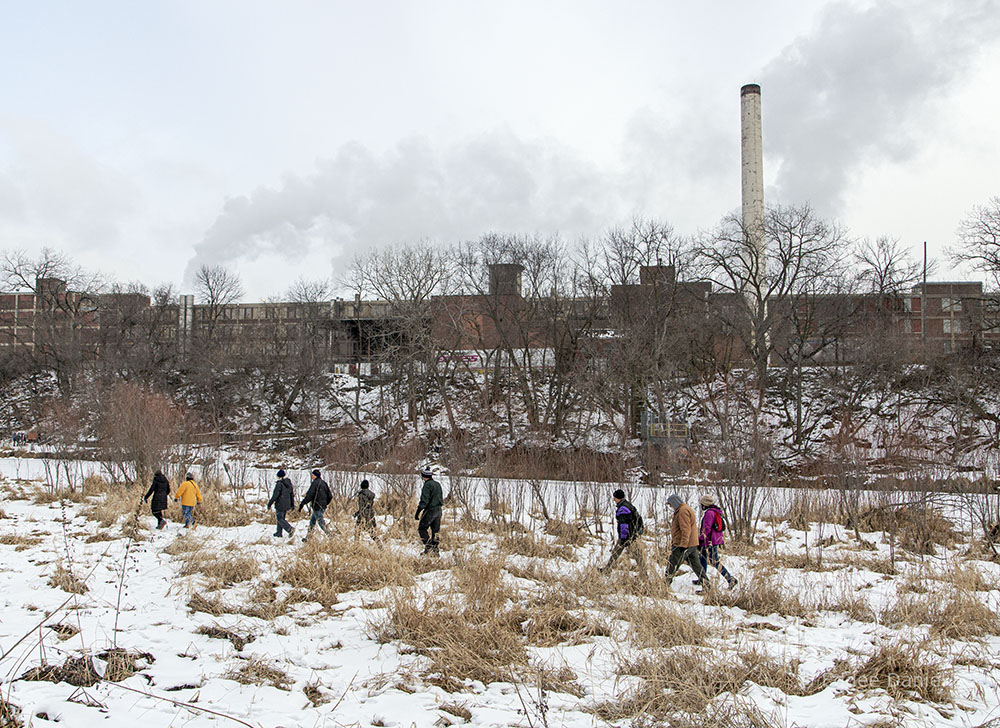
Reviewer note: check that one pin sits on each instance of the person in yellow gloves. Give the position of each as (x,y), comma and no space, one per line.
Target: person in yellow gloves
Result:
(189,494)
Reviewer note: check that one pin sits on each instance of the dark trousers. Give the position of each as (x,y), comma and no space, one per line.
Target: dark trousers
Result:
(678,555)
(283,525)
(317,519)
(366,522)
(430,524)
(710,555)
(160,522)
(620,547)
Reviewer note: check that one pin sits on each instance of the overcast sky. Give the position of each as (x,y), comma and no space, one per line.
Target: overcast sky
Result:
(282,138)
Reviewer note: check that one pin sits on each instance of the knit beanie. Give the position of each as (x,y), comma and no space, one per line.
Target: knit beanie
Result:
(619,494)
(364,485)
(427,473)
(281,473)
(675,501)
(315,473)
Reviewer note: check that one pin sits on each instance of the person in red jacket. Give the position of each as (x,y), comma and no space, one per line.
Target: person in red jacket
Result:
(710,538)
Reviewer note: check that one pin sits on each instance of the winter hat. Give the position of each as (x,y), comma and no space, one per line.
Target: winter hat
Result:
(157,472)
(364,485)
(281,473)
(620,494)
(707,500)
(427,473)
(675,501)
(189,477)
(316,473)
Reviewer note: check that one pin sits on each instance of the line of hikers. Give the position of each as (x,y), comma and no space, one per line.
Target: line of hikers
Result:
(689,542)
(698,545)
(318,496)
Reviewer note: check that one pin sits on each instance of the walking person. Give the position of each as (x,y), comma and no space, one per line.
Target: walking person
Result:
(189,494)
(684,541)
(711,537)
(429,512)
(365,515)
(160,490)
(319,496)
(283,500)
(628,527)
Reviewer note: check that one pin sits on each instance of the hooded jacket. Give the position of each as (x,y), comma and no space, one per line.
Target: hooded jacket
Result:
(189,493)
(160,490)
(283,497)
(709,536)
(318,494)
(684,527)
(625,516)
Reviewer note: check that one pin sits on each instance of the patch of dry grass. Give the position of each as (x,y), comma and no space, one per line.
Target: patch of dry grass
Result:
(904,671)
(658,625)
(258,671)
(953,614)
(569,534)
(63,578)
(539,548)
(10,715)
(123,664)
(686,679)
(223,569)
(215,631)
(19,541)
(324,569)
(760,593)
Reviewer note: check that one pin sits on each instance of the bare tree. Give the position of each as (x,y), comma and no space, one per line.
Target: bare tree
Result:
(65,304)
(979,239)
(217,287)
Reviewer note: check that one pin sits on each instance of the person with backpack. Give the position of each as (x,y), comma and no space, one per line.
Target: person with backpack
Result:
(320,496)
(283,500)
(189,494)
(160,490)
(684,541)
(365,515)
(710,538)
(628,526)
(429,512)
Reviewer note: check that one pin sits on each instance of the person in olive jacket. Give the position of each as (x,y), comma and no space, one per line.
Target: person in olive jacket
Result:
(160,490)
(320,496)
(429,511)
(283,500)
(365,515)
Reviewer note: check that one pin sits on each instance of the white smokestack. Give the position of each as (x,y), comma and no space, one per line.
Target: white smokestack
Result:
(753,170)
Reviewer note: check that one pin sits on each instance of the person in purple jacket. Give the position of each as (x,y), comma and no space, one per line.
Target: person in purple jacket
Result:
(628,526)
(710,538)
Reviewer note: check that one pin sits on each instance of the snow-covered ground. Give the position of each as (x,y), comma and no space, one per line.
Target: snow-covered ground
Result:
(337,663)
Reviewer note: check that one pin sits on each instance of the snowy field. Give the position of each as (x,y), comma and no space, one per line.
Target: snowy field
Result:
(512,625)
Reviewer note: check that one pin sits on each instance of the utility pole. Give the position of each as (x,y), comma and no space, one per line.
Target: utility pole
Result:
(923,309)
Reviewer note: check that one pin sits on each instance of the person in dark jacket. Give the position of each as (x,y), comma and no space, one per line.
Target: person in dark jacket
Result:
(283,500)
(429,511)
(710,538)
(365,515)
(626,529)
(320,496)
(160,490)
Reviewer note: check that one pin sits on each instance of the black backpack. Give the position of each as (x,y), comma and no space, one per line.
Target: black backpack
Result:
(638,524)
